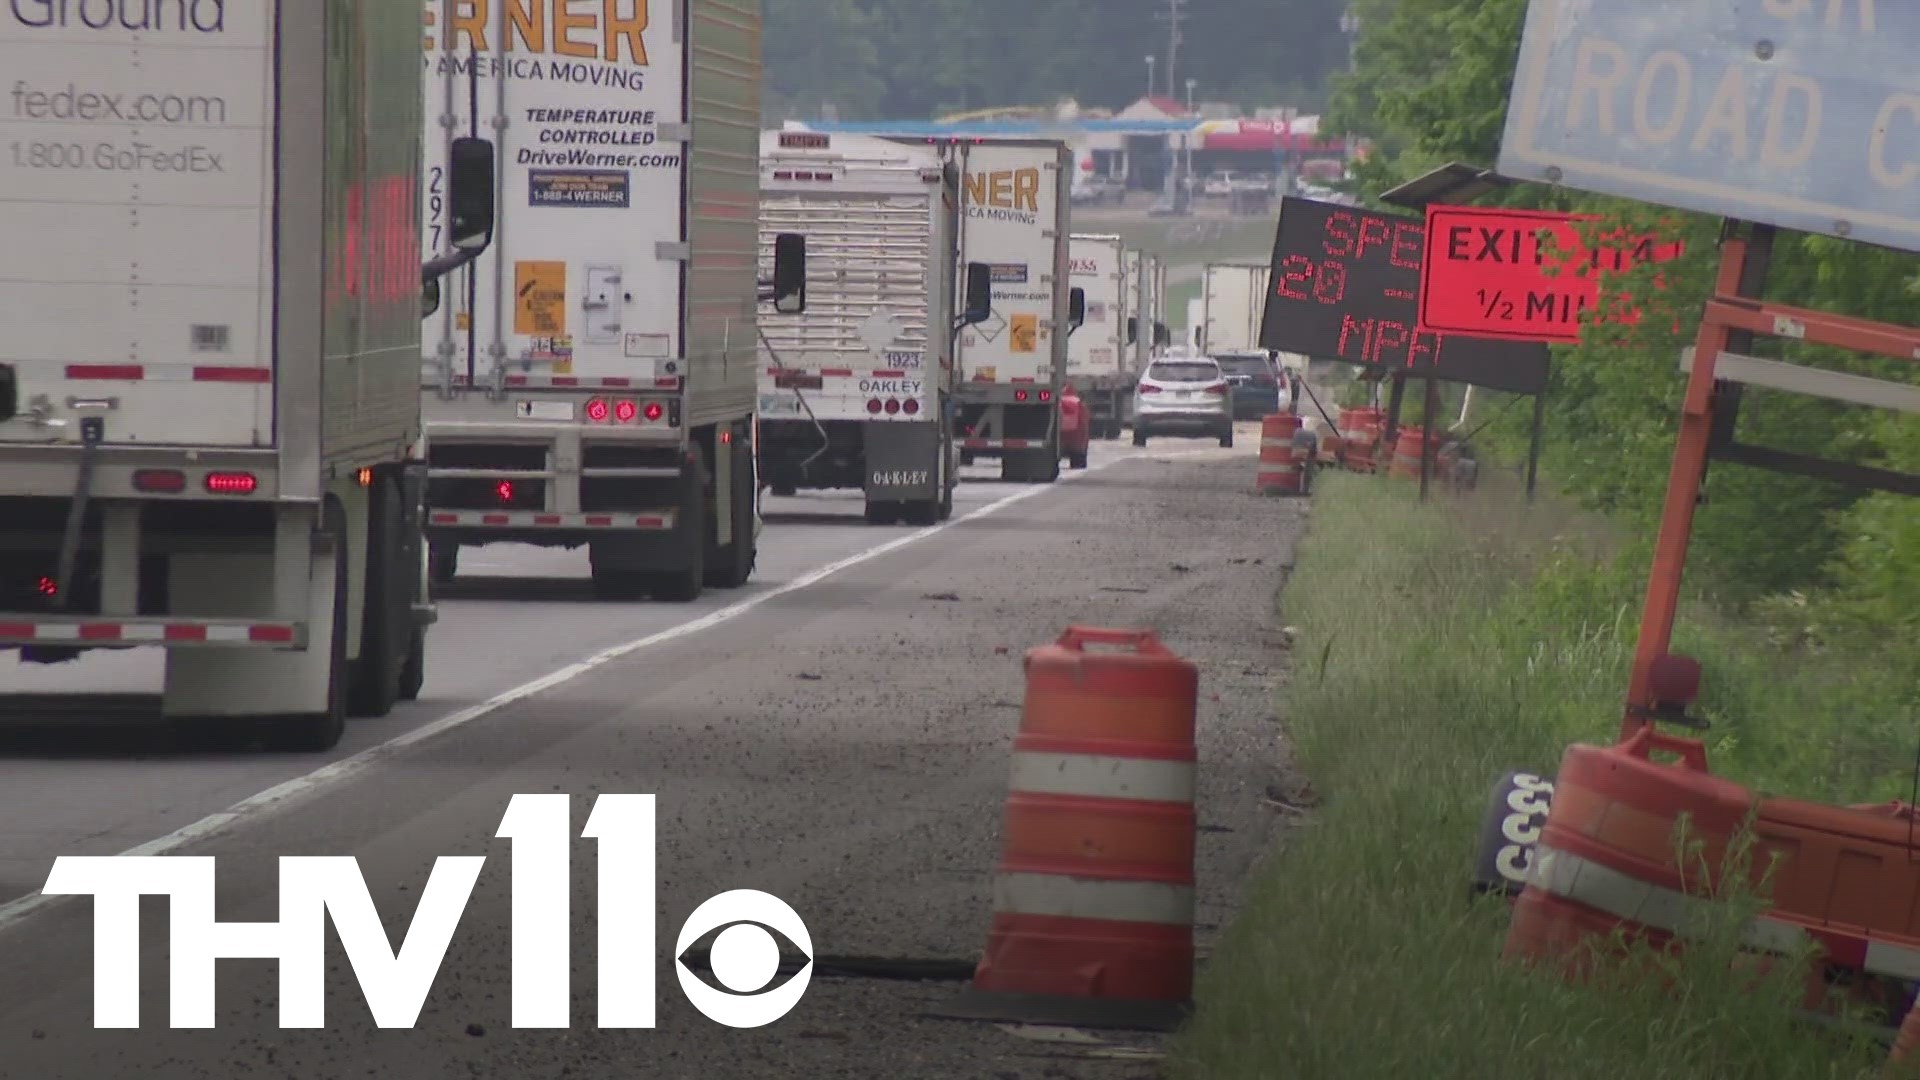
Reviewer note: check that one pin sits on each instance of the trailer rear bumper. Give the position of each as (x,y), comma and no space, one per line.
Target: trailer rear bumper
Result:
(643,520)
(54,472)
(106,632)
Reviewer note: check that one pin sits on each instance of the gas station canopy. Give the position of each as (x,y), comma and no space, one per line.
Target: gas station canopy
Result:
(1264,136)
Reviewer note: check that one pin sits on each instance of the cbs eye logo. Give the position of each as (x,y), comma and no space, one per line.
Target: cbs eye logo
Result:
(744,958)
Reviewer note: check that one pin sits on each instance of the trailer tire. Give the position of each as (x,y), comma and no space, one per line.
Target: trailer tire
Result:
(947,481)
(882,512)
(1047,463)
(1139,436)
(386,614)
(615,577)
(315,733)
(729,567)
(413,673)
(443,563)
(685,584)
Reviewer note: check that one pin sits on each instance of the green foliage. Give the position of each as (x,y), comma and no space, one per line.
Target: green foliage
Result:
(1432,85)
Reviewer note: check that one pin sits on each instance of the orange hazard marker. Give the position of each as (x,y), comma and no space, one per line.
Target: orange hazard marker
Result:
(1360,434)
(1283,467)
(1093,896)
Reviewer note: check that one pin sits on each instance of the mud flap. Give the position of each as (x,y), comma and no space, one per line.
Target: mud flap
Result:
(902,462)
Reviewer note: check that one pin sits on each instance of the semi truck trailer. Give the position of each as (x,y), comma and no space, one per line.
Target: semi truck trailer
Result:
(1234,299)
(209,397)
(1013,363)
(857,391)
(591,379)
(1099,353)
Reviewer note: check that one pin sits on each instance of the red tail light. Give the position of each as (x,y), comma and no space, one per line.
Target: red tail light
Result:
(1019,395)
(232,483)
(1046,395)
(503,491)
(597,411)
(893,406)
(625,411)
(654,410)
(47,587)
(1149,388)
(874,406)
(1217,388)
(910,406)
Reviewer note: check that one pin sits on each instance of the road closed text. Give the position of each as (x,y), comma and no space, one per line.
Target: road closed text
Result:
(1800,113)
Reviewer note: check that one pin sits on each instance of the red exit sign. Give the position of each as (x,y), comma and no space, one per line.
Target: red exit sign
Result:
(1493,273)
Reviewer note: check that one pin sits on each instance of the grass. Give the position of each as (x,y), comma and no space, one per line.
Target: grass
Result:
(1438,647)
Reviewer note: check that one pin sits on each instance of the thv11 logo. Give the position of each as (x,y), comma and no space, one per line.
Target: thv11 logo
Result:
(744,956)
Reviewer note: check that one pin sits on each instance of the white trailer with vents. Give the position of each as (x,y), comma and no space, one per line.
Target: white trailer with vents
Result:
(591,380)
(1013,363)
(209,398)
(857,391)
(1099,357)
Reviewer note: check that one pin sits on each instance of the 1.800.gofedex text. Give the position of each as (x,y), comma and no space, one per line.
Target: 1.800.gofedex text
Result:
(132,156)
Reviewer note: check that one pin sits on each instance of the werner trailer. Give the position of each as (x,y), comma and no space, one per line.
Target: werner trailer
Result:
(209,404)
(857,391)
(591,380)
(1013,363)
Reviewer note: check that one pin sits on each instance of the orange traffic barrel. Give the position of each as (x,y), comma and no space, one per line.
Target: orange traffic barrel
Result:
(1359,431)
(1282,464)
(1408,450)
(1094,893)
(1607,856)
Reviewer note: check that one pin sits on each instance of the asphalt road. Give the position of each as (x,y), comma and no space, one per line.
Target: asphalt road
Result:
(835,734)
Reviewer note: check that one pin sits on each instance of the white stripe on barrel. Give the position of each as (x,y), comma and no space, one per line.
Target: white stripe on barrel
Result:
(1090,898)
(1654,906)
(1100,777)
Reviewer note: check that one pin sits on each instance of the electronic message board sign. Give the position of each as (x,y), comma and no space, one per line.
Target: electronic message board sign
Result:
(1345,286)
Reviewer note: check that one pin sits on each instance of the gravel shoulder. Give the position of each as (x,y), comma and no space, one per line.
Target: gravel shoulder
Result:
(845,748)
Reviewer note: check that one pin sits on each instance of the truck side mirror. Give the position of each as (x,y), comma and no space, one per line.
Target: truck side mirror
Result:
(1076,308)
(790,273)
(470,194)
(979,294)
(429,297)
(9,393)
(1162,337)
(1133,329)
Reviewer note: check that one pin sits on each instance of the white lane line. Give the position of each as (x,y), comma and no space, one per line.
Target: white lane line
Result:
(279,795)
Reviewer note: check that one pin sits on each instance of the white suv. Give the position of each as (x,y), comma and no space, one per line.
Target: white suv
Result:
(1183,395)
